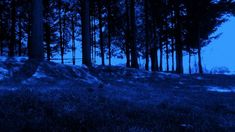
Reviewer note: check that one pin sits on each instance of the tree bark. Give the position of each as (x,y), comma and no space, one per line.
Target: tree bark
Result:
(1,36)
(147,36)
(189,63)
(199,51)
(161,49)
(20,37)
(73,42)
(101,32)
(200,60)
(109,34)
(127,35)
(179,47)
(61,32)
(86,47)
(48,41)
(134,59)
(36,48)
(11,52)
(154,51)
(173,53)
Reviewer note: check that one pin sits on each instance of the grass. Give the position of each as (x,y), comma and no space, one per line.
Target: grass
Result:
(142,104)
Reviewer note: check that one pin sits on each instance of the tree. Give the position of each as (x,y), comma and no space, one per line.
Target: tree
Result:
(146,8)
(134,55)
(100,7)
(86,47)
(36,48)
(13,30)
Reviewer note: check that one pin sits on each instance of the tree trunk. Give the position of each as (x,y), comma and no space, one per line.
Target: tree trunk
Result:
(86,47)
(29,39)
(179,47)
(94,35)
(109,34)
(73,42)
(134,59)
(13,30)
(172,42)
(154,51)
(167,57)
(61,32)
(173,53)
(36,48)
(20,37)
(200,61)
(167,44)
(1,36)
(63,35)
(189,63)
(161,49)
(48,41)
(147,36)
(127,35)
(101,32)
(199,51)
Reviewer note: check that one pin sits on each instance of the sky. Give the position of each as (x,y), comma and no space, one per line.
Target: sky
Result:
(219,53)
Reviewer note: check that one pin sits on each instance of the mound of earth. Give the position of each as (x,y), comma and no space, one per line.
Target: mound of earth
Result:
(34,72)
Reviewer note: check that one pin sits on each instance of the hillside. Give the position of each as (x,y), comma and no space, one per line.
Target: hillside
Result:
(48,96)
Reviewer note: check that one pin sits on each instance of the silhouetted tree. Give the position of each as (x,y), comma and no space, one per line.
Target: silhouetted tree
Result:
(36,50)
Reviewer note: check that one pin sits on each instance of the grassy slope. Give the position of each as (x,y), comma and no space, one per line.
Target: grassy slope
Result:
(128,100)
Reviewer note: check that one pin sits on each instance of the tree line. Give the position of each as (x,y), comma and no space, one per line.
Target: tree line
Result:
(151,29)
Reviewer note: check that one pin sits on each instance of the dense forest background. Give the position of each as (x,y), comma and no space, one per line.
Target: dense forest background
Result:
(150,29)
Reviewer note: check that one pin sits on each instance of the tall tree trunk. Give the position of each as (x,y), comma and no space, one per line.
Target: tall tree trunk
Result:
(134,59)
(128,60)
(173,53)
(109,33)
(61,33)
(94,35)
(161,49)
(200,60)
(36,48)
(1,36)
(20,37)
(167,47)
(86,46)
(29,33)
(73,41)
(101,32)
(199,51)
(127,34)
(92,38)
(189,63)
(167,57)
(156,45)
(13,30)
(147,35)
(48,41)
(154,51)
(179,47)
(172,34)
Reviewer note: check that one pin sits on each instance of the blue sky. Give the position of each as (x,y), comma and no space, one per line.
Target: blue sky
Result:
(221,52)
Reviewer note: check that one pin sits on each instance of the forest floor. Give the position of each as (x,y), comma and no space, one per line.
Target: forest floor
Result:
(56,97)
